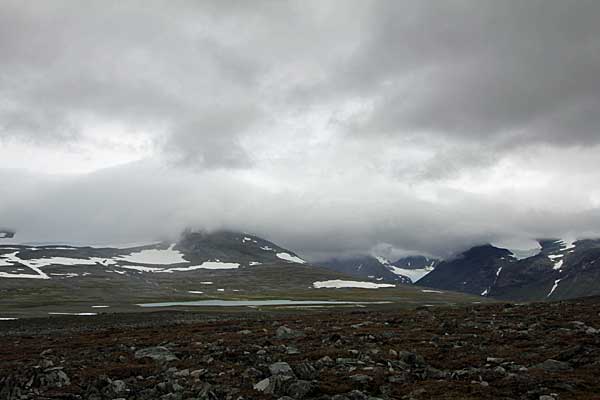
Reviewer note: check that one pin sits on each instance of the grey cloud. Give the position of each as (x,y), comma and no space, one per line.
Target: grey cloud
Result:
(233,94)
(488,71)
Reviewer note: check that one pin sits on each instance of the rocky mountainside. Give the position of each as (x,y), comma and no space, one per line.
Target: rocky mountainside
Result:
(560,270)
(544,351)
(405,270)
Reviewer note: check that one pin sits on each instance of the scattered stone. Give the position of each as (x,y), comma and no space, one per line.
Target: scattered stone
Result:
(281,368)
(299,389)
(158,353)
(283,332)
(551,365)
(362,379)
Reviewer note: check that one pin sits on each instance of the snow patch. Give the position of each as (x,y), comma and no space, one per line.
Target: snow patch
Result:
(413,274)
(205,265)
(431,291)
(155,256)
(68,313)
(337,283)
(290,258)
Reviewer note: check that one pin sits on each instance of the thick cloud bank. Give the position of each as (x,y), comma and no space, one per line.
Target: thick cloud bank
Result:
(329,127)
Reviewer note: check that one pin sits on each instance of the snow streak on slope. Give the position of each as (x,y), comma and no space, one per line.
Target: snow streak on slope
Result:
(290,258)
(556,282)
(350,284)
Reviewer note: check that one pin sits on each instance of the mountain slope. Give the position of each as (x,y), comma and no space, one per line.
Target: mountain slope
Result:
(365,267)
(561,270)
(406,270)
(194,251)
(474,271)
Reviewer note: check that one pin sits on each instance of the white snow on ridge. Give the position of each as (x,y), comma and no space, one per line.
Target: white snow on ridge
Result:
(72,313)
(205,265)
(383,261)
(337,283)
(567,244)
(519,247)
(155,256)
(431,291)
(291,258)
(12,259)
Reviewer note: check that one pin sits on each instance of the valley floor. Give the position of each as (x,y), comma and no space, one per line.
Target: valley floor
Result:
(489,351)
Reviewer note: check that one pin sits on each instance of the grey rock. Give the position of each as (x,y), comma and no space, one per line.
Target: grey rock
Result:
(158,353)
(283,332)
(411,359)
(357,395)
(53,378)
(362,379)
(276,385)
(118,387)
(551,365)
(305,371)
(262,385)
(299,389)
(280,368)
(324,362)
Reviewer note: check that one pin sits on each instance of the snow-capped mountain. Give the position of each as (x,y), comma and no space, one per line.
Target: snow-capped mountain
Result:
(406,270)
(560,269)
(195,251)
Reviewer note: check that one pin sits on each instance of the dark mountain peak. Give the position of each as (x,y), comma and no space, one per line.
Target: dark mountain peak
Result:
(415,262)
(228,245)
(485,251)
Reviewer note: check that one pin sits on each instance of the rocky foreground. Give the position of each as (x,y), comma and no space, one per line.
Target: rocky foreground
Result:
(499,351)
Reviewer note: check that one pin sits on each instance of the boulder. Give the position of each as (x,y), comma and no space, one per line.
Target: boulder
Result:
(158,353)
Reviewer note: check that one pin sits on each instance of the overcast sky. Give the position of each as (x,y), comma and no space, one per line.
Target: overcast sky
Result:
(330,127)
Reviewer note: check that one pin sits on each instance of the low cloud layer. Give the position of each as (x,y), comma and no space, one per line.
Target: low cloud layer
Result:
(332,128)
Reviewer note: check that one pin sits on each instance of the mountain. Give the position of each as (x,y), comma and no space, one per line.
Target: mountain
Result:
(194,251)
(560,270)
(206,269)
(474,271)
(365,267)
(405,270)
(414,267)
